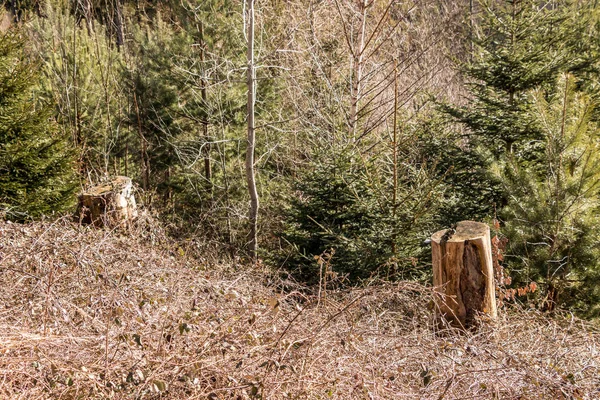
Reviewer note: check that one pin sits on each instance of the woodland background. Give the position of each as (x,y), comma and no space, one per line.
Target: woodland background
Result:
(377,124)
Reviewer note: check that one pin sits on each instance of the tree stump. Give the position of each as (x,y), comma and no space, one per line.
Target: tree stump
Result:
(109,204)
(463,273)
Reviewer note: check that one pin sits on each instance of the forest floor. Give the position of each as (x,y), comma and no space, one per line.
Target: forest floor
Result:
(92,314)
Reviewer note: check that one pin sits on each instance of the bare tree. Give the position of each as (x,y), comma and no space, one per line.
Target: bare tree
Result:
(250,173)
(342,75)
(358,53)
(204,84)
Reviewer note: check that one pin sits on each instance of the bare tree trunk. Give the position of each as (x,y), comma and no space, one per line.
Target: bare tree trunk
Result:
(357,67)
(207,166)
(84,10)
(79,140)
(126,158)
(226,195)
(88,14)
(395,153)
(118,24)
(15,11)
(471,37)
(144,147)
(250,174)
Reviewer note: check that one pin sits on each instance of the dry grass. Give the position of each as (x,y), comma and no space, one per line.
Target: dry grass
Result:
(89,313)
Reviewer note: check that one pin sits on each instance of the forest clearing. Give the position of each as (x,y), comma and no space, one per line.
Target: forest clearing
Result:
(299,199)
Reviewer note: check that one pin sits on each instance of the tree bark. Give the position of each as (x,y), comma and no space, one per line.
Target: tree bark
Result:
(463,273)
(143,147)
(250,173)
(395,154)
(117,19)
(204,83)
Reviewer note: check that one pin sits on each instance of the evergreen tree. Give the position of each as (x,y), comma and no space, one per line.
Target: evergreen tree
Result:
(36,161)
(335,214)
(551,217)
(157,96)
(344,212)
(519,47)
(470,190)
(189,110)
(529,120)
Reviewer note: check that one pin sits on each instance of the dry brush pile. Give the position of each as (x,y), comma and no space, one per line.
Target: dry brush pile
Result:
(94,314)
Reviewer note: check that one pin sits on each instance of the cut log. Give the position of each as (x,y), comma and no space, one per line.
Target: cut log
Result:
(463,273)
(109,204)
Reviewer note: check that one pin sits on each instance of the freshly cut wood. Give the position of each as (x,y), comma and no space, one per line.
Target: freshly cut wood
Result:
(108,204)
(463,273)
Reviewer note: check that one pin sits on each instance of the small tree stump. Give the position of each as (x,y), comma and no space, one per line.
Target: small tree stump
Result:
(109,204)
(463,273)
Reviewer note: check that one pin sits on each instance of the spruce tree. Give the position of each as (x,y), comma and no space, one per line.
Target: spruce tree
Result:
(335,215)
(343,213)
(36,161)
(519,46)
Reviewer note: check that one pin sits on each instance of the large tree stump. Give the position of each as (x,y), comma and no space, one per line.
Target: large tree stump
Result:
(109,204)
(463,273)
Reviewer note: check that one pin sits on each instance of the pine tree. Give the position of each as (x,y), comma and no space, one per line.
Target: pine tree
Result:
(527,116)
(551,217)
(36,161)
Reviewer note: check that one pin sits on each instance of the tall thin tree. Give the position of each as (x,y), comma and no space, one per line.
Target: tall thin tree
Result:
(251,143)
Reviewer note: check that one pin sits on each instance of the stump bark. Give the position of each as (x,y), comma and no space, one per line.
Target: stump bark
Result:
(463,273)
(109,204)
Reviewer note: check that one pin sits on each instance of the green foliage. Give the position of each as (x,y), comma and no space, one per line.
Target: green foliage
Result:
(189,99)
(35,159)
(551,217)
(470,190)
(335,212)
(80,74)
(157,94)
(532,127)
(343,210)
(518,47)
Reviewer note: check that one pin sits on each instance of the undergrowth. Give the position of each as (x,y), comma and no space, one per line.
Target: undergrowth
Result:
(95,314)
